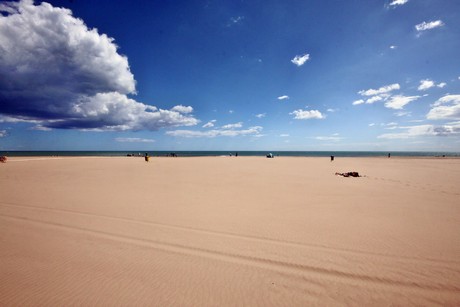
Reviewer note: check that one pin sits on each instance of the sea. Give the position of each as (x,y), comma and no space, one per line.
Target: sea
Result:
(230,153)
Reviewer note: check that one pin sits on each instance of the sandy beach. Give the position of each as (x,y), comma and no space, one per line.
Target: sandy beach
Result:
(227,231)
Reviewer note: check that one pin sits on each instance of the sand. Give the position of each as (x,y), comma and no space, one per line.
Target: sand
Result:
(227,231)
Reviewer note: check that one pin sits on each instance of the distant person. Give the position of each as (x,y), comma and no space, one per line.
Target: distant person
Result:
(236,154)
(146,157)
(389,155)
(332,158)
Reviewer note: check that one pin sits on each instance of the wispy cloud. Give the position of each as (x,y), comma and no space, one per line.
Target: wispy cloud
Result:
(209,124)
(261,115)
(399,101)
(2,133)
(382,90)
(429,25)
(423,131)
(447,107)
(251,131)
(299,60)
(134,140)
(235,20)
(427,84)
(307,114)
(284,135)
(398,2)
(334,138)
(285,97)
(233,126)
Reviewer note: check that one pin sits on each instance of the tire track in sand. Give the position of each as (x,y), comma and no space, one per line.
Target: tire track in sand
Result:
(285,267)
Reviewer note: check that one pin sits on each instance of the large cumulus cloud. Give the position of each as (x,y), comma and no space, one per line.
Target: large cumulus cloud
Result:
(55,70)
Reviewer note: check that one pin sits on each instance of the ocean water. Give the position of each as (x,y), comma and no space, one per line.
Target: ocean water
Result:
(228,153)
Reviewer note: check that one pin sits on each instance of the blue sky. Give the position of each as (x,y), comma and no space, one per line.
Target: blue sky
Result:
(230,75)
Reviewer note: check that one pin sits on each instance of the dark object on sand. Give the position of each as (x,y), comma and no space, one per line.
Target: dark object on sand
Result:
(270,155)
(349,174)
(3,159)
(332,158)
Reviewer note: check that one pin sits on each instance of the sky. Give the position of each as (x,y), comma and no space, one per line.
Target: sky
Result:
(367,75)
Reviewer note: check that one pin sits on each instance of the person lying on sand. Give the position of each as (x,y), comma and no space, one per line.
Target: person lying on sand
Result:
(349,174)
(3,159)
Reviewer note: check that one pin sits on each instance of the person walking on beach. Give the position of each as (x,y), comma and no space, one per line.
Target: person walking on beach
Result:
(332,158)
(146,157)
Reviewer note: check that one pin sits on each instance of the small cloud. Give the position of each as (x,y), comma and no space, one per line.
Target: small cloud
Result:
(332,110)
(398,102)
(374,99)
(182,109)
(209,124)
(398,2)
(235,20)
(285,97)
(252,131)
(393,47)
(307,114)
(427,84)
(382,90)
(358,102)
(328,138)
(402,113)
(261,115)
(447,107)
(371,124)
(134,140)
(233,126)
(2,133)
(231,111)
(299,60)
(429,25)
(284,135)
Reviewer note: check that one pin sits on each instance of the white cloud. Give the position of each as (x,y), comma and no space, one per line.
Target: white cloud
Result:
(209,124)
(358,102)
(56,72)
(371,124)
(328,138)
(233,126)
(398,2)
(284,135)
(235,20)
(429,25)
(332,110)
(182,109)
(424,130)
(398,102)
(261,115)
(252,131)
(134,140)
(393,47)
(447,107)
(284,97)
(2,133)
(299,60)
(441,85)
(383,90)
(374,99)
(307,114)
(425,84)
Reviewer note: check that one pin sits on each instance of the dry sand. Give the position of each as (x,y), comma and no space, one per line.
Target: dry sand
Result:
(220,231)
